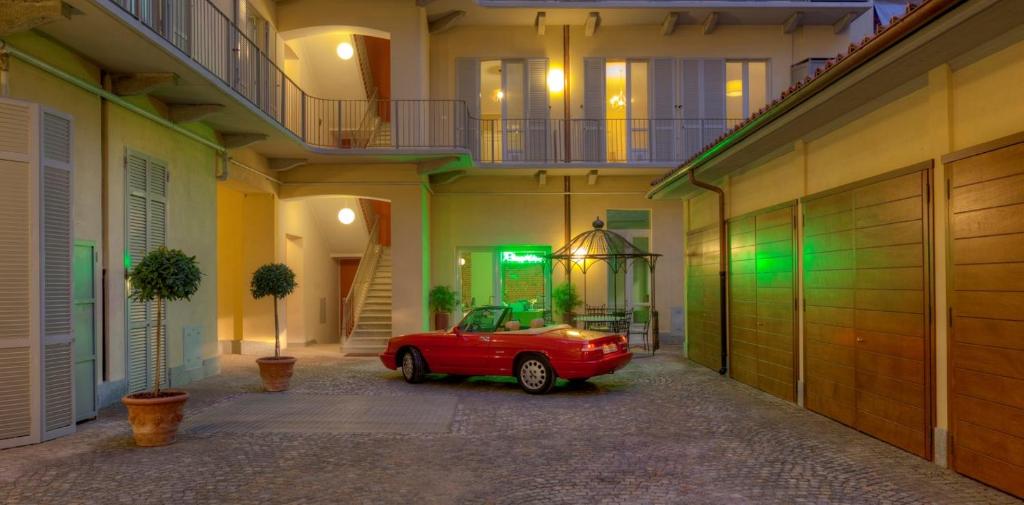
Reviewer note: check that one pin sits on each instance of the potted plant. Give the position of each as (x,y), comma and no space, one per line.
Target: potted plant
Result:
(278,281)
(565,299)
(442,303)
(162,275)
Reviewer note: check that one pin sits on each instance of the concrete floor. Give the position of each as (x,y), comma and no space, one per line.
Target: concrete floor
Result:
(660,431)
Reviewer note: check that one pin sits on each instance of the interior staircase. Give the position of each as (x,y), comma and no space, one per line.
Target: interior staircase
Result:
(373,320)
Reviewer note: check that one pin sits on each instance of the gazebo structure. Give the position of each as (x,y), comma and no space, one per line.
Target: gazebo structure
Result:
(619,254)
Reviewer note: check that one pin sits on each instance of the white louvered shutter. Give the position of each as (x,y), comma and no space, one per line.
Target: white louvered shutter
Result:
(593,109)
(663,104)
(146,229)
(19,348)
(55,266)
(691,93)
(467,89)
(539,144)
(713,98)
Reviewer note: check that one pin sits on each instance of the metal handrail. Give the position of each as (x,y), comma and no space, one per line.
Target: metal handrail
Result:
(204,34)
(356,297)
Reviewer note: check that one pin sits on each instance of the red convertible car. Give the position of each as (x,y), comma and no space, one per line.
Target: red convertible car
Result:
(481,345)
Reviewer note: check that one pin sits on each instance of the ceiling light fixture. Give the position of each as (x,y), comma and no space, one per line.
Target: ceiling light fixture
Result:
(345,51)
(346,216)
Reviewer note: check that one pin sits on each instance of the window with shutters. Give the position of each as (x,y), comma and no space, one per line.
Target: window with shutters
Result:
(508,106)
(146,183)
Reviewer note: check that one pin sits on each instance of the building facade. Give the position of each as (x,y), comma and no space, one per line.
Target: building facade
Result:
(383,148)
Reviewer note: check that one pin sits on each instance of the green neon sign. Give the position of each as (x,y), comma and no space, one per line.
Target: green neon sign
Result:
(514,257)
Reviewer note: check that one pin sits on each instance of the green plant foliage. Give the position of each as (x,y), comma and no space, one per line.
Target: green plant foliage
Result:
(442,299)
(565,298)
(165,274)
(273,279)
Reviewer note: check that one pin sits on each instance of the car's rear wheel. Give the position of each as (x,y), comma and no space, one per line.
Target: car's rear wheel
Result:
(413,366)
(535,374)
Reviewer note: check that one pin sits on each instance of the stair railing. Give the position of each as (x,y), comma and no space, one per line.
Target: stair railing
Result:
(352,305)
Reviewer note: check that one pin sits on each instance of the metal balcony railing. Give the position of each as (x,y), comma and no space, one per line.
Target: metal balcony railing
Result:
(202,33)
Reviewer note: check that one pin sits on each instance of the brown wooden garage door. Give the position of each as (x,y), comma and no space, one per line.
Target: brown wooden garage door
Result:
(762,301)
(866,285)
(987,341)
(703,323)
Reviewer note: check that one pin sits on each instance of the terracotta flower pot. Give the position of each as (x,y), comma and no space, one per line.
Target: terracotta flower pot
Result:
(155,420)
(440,320)
(276,372)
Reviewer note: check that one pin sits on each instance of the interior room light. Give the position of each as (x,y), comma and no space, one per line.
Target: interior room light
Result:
(499,95)
(556,80)
(462,262)
(345,51)
(346,216)
(734,88)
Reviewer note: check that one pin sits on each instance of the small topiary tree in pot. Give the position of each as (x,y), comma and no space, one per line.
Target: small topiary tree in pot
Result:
(442,303)
(565,299)
(278,281)
(162,275)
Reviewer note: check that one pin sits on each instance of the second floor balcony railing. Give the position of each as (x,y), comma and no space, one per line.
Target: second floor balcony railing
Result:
(203,34)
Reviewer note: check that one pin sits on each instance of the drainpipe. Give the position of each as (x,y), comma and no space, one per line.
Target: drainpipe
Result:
(723,322)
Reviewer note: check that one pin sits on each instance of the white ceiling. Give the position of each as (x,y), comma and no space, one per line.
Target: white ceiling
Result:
(344,239)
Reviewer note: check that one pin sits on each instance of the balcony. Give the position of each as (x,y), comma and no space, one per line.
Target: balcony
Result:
(203,34)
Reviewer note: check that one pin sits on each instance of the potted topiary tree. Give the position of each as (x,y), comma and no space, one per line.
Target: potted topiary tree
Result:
(162,275)
(442,303)
(278,281)
(565,299)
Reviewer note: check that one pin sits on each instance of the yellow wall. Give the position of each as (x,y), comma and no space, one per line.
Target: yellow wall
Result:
(192,198)
(509,210)
(952,107)
(319,277)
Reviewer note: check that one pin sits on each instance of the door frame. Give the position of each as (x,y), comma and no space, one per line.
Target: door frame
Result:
(97,323)
(928,290)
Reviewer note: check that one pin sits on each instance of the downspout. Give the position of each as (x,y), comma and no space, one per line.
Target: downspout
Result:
(723,322)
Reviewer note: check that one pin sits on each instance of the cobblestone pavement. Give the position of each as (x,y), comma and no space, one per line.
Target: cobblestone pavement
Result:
(660,431)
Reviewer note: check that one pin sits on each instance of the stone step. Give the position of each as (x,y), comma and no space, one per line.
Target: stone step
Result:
(375,317)
(363,324)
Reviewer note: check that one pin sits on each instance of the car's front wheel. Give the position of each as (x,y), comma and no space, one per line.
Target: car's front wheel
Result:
(413,366)
(535,374)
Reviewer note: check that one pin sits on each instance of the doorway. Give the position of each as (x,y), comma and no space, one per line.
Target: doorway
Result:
(84,302)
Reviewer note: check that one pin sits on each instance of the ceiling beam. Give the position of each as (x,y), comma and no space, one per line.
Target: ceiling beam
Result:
(793,22)
(710,23)
(592,177)
(592,23)
(189,112)
(24,15)
(668,26)
(540,23)
(844,22)
(447,177)
(236,140)
(542,177)
(445,22)
(141,83)
(282,164)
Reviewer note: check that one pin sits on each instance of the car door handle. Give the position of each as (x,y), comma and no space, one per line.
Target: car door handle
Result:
(485,338)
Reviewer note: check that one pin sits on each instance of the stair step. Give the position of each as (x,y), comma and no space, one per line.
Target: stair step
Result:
(379,317)
(373,325)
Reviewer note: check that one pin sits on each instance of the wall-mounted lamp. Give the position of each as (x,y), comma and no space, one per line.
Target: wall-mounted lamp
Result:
(556,80)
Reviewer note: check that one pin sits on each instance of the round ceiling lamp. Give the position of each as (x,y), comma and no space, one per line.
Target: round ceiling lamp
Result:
(346,216)
(345,51)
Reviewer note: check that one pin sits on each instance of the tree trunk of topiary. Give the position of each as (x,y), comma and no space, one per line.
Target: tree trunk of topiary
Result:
(159,327)
(277,333)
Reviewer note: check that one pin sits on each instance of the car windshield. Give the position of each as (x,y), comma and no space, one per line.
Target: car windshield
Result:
(484,320)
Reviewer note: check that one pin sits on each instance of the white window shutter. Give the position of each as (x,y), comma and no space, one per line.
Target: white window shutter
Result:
(538,143)
(467,89)
(713,98)
(19,347)
(55,266)
(692,108)
(146,229)
(663,104)
(593,109)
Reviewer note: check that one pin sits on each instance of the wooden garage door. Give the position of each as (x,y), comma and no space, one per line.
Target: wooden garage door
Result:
(703,323)
(762,301)
(987,341)
(866,285)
